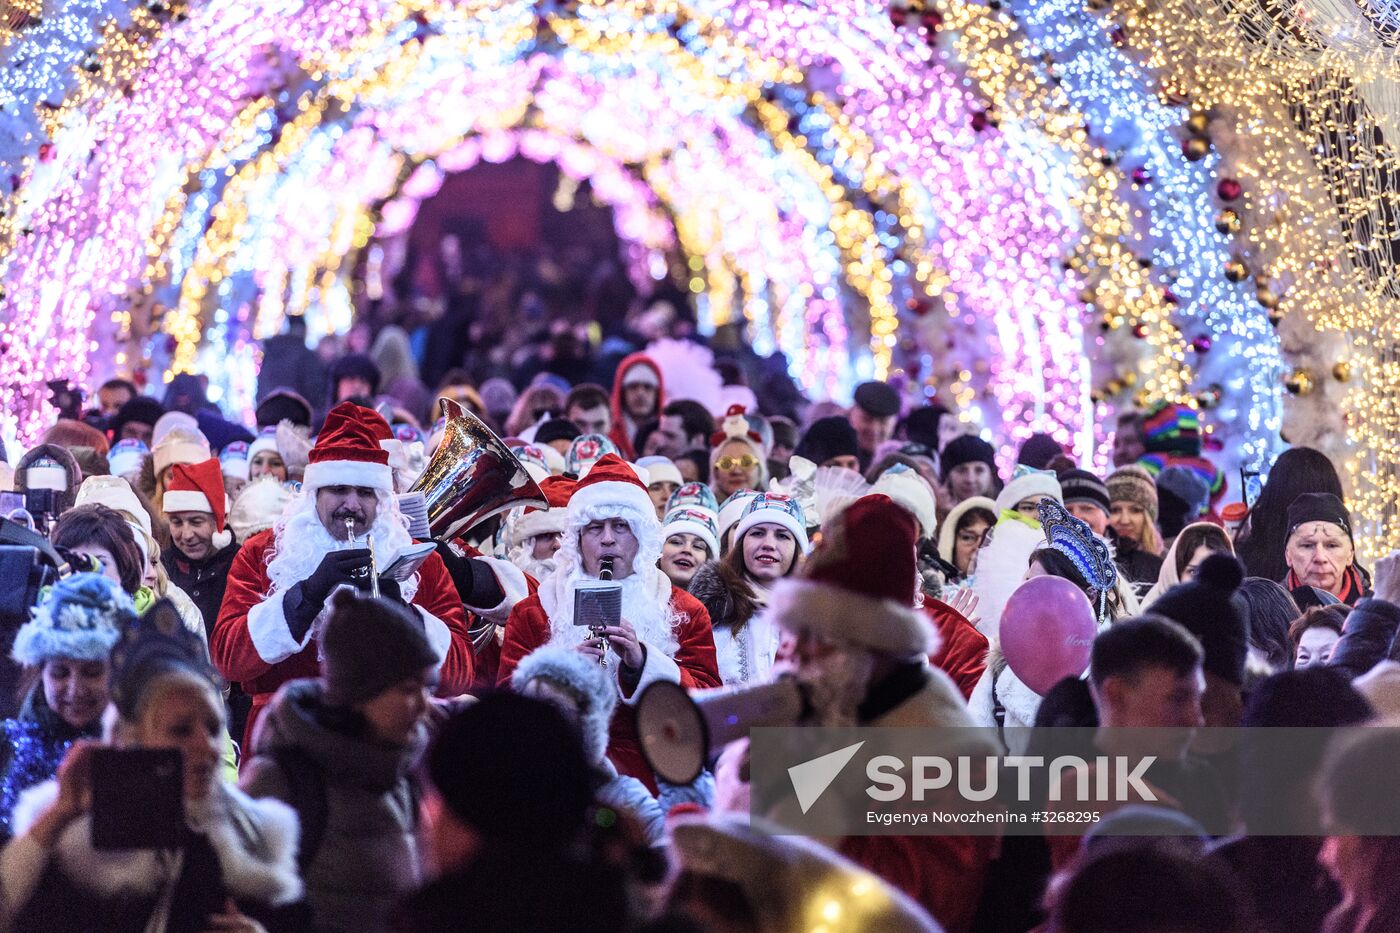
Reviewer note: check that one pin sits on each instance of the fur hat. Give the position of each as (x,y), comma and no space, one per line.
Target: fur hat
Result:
(584,680)
(1210,608)
(117,494)
(1028,482)
(80,617)
(1134,484)
(368,645)
(348,451)
(858,586)
(282,404)
(258,506)
(908,490)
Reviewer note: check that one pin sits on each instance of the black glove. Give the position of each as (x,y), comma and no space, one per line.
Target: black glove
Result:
(305,600)
(389,589)
(474,579)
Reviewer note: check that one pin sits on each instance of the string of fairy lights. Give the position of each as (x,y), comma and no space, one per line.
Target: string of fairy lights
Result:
(946,195)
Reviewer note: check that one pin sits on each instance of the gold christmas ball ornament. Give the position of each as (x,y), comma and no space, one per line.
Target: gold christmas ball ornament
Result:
(1228,221)
(1267,297)
(1341,371)
(1198,123)
(1236,271)
(1275,316)
(1087,295)
(1196,149)
(1299,382)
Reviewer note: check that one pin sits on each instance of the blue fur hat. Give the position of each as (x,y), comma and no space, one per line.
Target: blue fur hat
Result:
(80,617)
(584,680)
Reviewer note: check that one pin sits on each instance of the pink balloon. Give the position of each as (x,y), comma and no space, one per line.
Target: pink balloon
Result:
(1047,629)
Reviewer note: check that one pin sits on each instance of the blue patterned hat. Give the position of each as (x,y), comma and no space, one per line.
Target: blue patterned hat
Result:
(772,508)
(80,617)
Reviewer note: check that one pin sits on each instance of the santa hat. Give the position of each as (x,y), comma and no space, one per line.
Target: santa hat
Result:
(584,680)
(858,586)
(610,482)
(180,445)
(258,506)
(558,490)
(233,460)
(692,521)
(770,508)
(348,452)
(1028,482)
(199,487)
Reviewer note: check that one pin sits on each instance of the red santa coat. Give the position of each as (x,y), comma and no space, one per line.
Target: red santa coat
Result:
(251,644)
(962,651)
(693,666)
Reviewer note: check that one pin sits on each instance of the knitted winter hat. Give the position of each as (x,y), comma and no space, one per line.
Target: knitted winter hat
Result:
(199,487)
(660,470)
(233,460)
(531,457)
(280,405)
(1083,486)
(826,439)
(1134,484)
(348,452)
(156,644)
(1318,507)
(265,441)
(858,586)
(967,449)
(80,617)
(124,459)
(921,425)
(1169,428)
(772,508)
(733,508)
(1038,450)
(583,679)
(693,495)
(1027,482)
(368,645)
(585,451)
(180,445)
(1210,608)
(702,523)
(1181,498)
(139,410)
(556,429)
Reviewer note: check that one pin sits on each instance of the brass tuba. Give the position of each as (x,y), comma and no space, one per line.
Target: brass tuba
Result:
(472,476)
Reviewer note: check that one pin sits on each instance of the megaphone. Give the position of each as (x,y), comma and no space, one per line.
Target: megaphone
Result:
(679,728)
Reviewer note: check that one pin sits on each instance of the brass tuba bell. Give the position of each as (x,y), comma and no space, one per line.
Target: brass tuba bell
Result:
(472,476)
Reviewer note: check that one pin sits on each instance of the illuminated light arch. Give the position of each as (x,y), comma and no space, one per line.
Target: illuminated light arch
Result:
(922,207)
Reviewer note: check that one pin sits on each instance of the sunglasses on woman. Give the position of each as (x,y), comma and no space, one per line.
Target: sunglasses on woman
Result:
(746,462)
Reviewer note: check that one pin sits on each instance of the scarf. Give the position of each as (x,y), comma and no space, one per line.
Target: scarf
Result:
(1353,587)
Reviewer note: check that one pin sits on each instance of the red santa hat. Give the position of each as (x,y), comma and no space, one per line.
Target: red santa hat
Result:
(557,492)
(611,482)
(858,585)
(348,450)
(199,487)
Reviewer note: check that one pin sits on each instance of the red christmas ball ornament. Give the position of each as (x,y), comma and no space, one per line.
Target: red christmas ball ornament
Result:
(1139,331)
(932,20)
(1141,176)
(899,16)
(1201,344)
(46,152)
(1119,36)
(918,306)
(1229,189)
(1169,297)
(980,120)
(139,377)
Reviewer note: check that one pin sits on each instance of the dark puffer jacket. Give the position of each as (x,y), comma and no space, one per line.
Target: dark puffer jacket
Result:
(368,855)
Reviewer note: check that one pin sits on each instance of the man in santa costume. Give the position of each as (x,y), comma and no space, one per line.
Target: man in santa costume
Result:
(855,641)
(283,577)
(663,633)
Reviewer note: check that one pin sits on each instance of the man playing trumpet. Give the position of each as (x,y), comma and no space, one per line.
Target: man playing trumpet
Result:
(663,633)
(283,577)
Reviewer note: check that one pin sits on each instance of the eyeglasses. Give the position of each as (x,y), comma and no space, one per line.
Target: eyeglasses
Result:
(746,462)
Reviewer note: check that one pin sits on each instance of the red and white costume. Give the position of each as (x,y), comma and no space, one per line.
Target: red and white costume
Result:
(252,643)
(672,625)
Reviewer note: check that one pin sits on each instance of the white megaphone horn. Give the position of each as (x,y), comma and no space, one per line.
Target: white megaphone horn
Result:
(679,728)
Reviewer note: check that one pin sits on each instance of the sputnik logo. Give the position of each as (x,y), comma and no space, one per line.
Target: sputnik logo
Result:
(811,778)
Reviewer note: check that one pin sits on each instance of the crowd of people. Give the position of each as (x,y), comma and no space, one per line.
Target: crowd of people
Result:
(379,732)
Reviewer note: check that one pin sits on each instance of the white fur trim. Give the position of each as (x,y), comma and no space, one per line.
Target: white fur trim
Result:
(439,635)
(512,582)
(348,473)
(186,500)
(268,873)
(610,494)
(845,616)
(1001,568)
(267,627)
(656,666)
(947,532)
(541,522)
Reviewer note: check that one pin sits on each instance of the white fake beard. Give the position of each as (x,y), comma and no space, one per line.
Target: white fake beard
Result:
(300,542)
(523,559)
(837,684)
